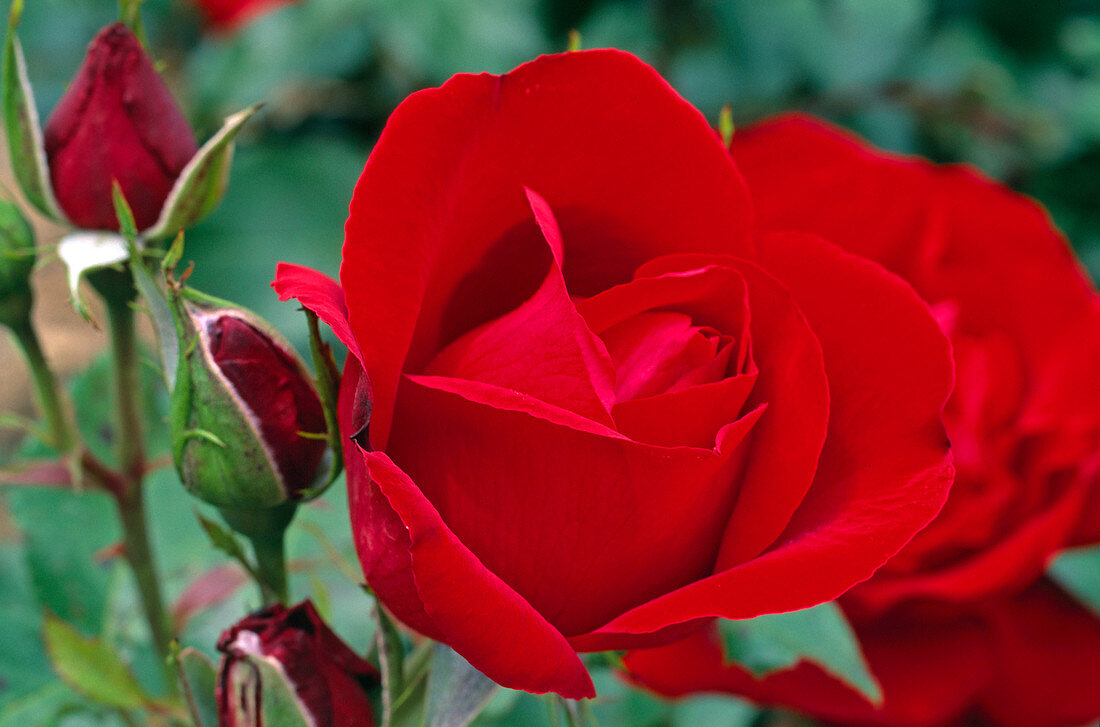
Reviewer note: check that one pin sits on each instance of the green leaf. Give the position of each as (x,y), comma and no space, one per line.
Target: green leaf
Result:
(820,634)
(1078,571)
(25,147)
(202,183)
(457,692)
(198,681)
(24,668)
(91,667)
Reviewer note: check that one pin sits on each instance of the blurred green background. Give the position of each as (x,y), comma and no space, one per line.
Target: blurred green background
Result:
(1012,86)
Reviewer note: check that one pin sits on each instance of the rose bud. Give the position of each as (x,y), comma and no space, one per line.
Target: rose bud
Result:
(118,121)
(285,666)
(16,264)
(243,407)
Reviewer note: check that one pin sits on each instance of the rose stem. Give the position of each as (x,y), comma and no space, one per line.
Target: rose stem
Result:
(271,565)
(45,385)
(131,458)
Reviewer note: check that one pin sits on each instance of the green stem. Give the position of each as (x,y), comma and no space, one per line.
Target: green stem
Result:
(265,528)
(127,384)
(271,566)
(135,537)
(45,386)
(131,460)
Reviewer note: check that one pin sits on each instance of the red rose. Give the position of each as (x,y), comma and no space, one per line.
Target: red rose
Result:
(962,621)
(231,14)
(606,407)
(117,121)
(328,678)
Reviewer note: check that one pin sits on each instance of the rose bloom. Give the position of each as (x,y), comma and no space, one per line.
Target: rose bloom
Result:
(961,627)
(608,404)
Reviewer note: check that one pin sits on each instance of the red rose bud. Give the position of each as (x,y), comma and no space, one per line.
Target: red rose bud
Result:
(285,666)
(16,264)
(118,121)
(243,405)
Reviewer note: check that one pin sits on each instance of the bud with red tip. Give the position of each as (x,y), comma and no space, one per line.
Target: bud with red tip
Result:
(247,425)
(285,666)
(118,121)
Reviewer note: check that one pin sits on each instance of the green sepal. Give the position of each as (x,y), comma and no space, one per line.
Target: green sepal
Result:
(821,634)
(198,683)
(26,149)
(202,183)
(259,680)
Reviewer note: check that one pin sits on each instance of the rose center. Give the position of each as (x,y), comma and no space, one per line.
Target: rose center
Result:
(659,351)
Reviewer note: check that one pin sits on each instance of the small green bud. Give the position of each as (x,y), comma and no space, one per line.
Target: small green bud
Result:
(16,265)
(247,425)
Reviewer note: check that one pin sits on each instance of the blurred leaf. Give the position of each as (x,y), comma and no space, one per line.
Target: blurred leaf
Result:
(198,679)
(1078,571)
(209,589)
(457,692)
(713,711)
(23,664)
(62,532)
(91,667)
(820,634)
(42,706)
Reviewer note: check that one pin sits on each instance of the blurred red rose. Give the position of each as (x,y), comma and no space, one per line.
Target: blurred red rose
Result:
(329,679)
(118,121)
(607,406)
(961,624)
(231,14)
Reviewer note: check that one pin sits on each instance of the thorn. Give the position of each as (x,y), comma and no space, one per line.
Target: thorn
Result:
(725,125)
(574,41)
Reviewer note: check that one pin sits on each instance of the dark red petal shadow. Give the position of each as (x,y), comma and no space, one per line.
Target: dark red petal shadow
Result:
(930,675)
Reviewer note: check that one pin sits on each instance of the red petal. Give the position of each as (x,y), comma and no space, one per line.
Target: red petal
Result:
(543,348)
(792,382)
(884,472)
(597,133)
(1009,278)
(430,581)
(581,521)
(319,293)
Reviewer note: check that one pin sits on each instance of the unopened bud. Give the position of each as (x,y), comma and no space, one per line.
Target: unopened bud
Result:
(247,425)
(284,666)
(117,122)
